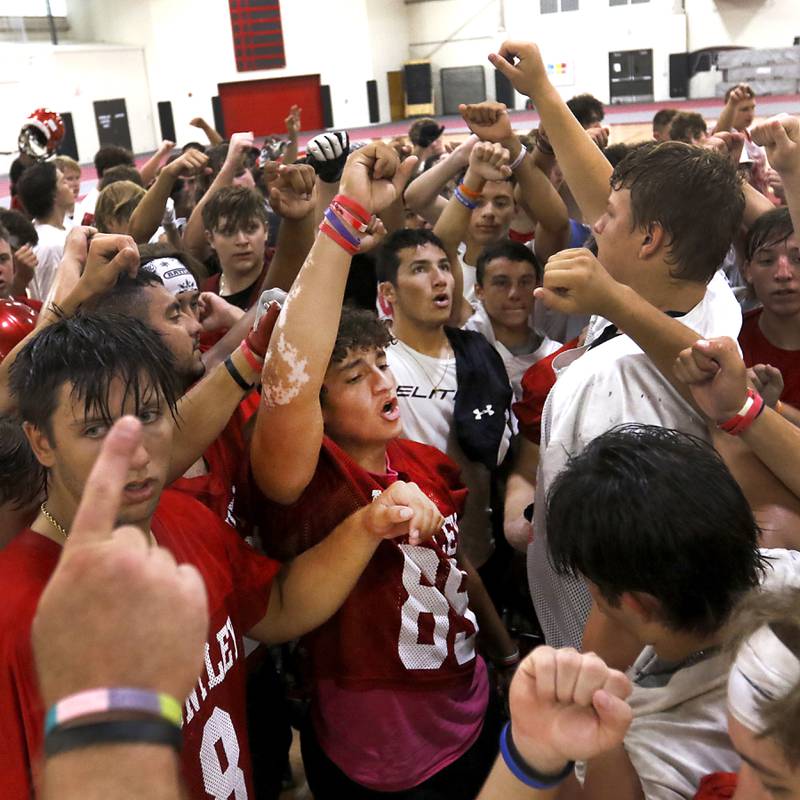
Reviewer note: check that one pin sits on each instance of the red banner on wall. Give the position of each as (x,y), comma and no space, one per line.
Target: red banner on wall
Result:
(257,34)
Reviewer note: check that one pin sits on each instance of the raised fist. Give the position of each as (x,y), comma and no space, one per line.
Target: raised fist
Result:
(291,194)
(489,161)
(716,376)
(767,381)
(781,137)
(327,154)
(374,177)
(489,121)
(567,706)
(575,282)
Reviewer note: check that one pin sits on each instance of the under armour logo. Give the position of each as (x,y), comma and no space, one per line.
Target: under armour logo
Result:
(479,414)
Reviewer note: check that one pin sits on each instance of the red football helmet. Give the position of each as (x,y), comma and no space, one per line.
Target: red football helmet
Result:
(41,133)
(17,320)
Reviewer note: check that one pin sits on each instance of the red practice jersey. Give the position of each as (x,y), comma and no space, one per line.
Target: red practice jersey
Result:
(225,487)
(406,620)
(756,349)
(216,754)
(537,382)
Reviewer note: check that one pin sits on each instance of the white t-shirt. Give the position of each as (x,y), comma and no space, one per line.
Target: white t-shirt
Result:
(49,252)
(516,364)
(679,731)
(86,206)
(426,390)
(595,390)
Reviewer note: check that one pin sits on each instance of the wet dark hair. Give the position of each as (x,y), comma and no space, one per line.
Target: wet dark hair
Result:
(90,352)
(586,108)
(239,206)
(19,227)
(663,117)
(359,330)
(111,155)
(388,254)
(687,125)
(37,189)
(22,477)
(693,193)
(772,228)
(653,510)
(126,298)
(505,248)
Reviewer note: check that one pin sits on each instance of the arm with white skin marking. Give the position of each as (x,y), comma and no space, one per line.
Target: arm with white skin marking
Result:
(289,428)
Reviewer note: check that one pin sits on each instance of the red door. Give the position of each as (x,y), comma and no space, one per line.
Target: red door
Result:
(261,106)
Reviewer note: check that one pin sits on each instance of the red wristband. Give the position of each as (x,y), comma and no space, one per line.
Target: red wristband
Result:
(255,363)
(326,228)
(738,424)
(352,220)
(355,208)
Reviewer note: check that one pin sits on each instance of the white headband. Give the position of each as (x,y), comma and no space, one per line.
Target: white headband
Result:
(765,670)
(174,275)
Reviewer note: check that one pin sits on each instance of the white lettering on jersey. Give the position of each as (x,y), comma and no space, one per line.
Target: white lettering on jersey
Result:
(225,654)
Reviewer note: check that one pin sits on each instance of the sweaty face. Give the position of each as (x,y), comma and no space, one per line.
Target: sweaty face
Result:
(6,268)
(242,251)
(423,292)
(774,274)
(764,774)
(491,220)
(507,292)
(745,114)
(78,437)
(617,242)
(175,319)
(359,404)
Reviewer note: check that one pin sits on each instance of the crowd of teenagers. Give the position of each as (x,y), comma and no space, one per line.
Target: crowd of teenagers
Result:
(322,440)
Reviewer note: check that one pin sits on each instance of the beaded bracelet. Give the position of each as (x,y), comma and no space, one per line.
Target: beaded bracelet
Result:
(126,731)
(746,416)
(523,771)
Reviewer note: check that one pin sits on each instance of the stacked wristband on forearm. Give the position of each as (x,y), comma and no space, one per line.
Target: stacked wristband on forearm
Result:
(346,222)
(747,415)
(523,771)
(71,723)
(466,196)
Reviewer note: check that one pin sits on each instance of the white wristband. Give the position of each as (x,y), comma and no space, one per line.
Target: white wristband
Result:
(519,159)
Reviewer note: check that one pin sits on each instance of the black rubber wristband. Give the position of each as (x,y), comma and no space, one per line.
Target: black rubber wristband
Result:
(125,731)
(237,376)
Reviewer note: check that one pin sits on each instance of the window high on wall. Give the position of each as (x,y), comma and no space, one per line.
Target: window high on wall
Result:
(551,6)
(32,8)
